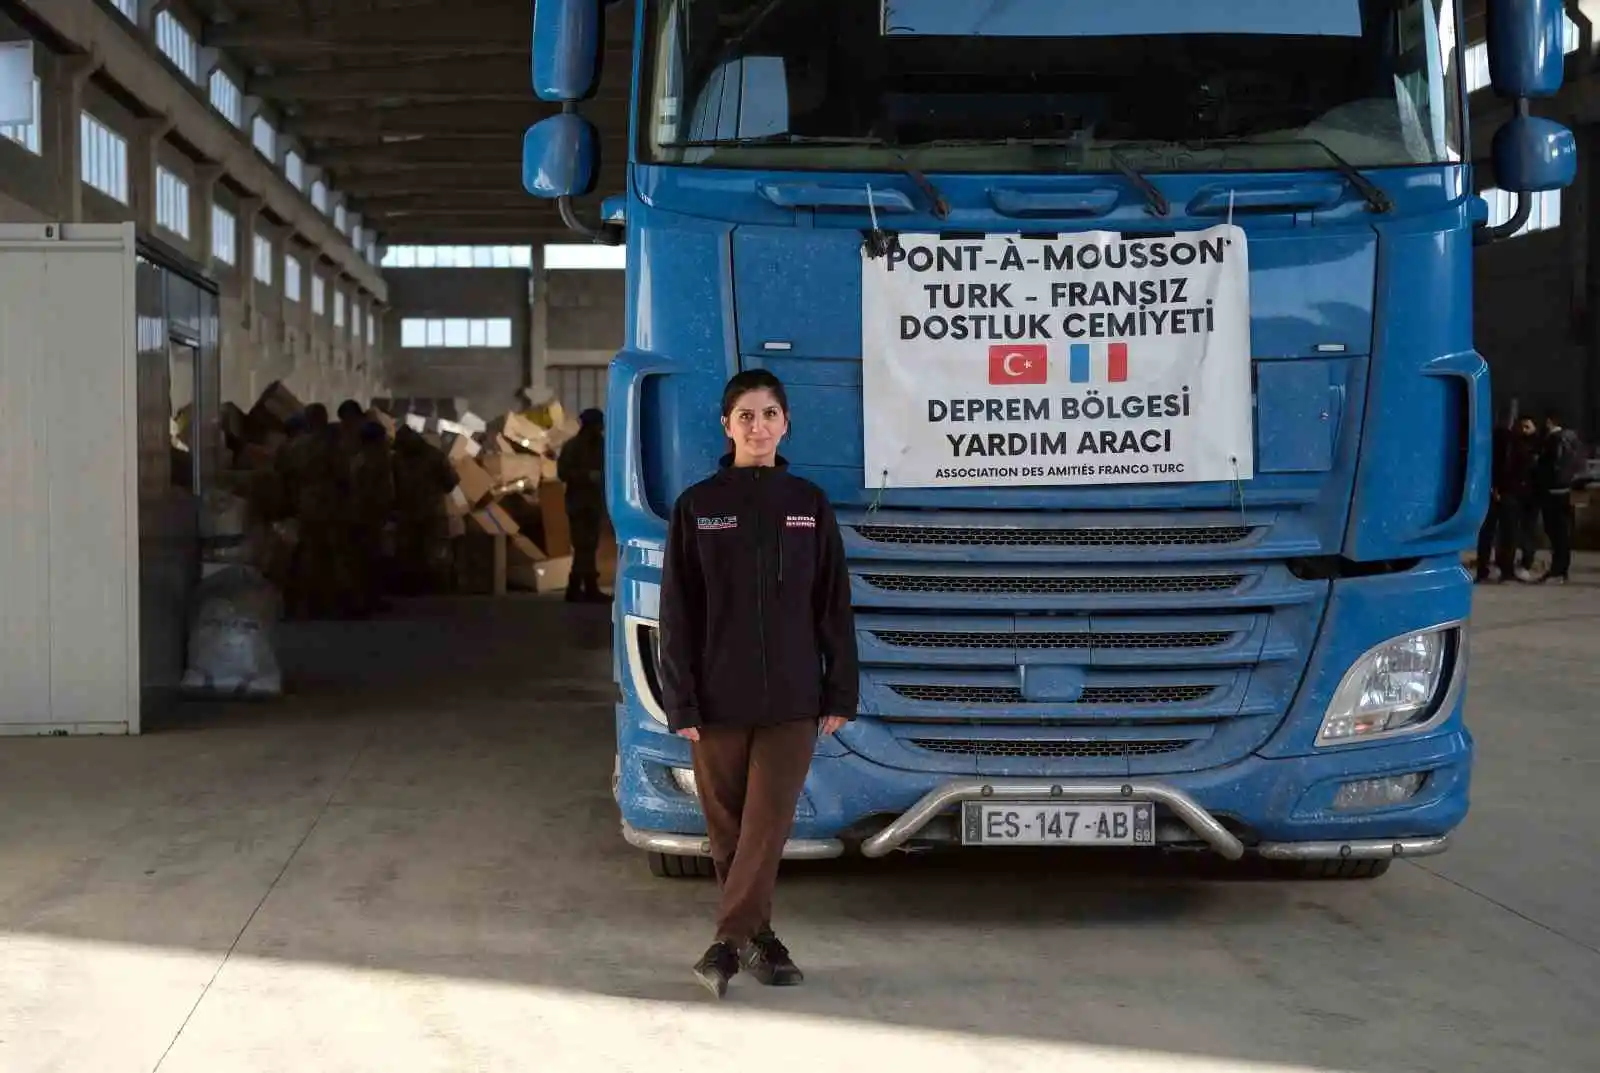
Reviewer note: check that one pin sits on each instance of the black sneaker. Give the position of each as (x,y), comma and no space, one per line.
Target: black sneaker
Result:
(719,965)
(768,960)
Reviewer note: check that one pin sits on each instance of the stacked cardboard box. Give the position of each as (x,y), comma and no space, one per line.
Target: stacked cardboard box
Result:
(505,521)
(508,518)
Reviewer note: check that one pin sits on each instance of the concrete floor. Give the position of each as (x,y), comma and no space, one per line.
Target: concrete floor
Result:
(414,865)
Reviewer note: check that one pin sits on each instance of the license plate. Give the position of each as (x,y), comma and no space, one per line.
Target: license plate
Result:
(1020,823)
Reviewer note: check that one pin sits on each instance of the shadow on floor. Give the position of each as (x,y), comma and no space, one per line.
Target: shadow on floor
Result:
(434,798)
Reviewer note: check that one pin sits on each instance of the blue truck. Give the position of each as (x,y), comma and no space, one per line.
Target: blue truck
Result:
(1231,619)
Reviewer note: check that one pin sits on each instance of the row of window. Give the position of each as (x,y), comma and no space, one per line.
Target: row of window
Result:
(563,255)
(178,43)
(455,333)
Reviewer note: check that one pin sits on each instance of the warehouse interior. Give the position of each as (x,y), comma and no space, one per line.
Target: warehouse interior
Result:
(326,204)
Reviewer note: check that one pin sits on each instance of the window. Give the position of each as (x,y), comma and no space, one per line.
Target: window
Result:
(105,158)
(129,9)
(319,196)
(372,328)
(177,44)
(1384,91)
(264,138)
(226,98)
(340,221)
(1544,215)
(356,236)
(172,203)
(1476,65)
(26,134)
(319,295)
(294,169)
(372,252)
(458,257)
(574,255)
(224,235)
(355,319)
(291,278)
(455,333)
(263,259)
(338,308)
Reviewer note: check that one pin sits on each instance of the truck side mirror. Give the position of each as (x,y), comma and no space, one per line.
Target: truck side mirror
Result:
(1526,54)
(559,157)
(567,43)
(1532,155)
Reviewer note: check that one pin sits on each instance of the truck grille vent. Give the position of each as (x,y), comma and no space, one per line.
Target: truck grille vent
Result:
(1050,750)
(1102,695)
(933,639)
(988,585)
(981,537)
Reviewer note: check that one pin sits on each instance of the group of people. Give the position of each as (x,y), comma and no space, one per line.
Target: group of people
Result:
(1535,469)
(341,483)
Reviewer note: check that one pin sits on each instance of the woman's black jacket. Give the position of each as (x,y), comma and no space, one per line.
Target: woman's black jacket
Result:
(756,626)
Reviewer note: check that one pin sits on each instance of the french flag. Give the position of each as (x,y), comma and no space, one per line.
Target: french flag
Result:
(1082,360)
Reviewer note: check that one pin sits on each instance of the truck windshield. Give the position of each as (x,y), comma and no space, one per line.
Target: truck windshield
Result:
(1164,85)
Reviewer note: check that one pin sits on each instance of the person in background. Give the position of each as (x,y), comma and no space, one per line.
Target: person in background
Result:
(422,478)
(582,469)
(1519,508)
(313,482)
(1559,465)
(1496,543)
(758,659)
(365,449)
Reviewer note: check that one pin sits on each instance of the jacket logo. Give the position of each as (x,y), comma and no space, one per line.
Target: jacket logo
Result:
(800,521)
(729,521)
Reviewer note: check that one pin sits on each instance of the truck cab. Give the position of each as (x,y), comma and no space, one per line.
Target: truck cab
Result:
(1146,550)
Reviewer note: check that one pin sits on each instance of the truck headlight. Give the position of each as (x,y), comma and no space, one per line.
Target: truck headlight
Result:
(643,637)
(1392,688)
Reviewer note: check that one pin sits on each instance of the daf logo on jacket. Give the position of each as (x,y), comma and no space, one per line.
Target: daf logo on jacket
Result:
(756,625)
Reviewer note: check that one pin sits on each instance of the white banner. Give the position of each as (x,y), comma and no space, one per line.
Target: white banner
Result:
(1084,359)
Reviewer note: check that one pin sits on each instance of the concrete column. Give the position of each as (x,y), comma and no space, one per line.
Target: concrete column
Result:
(539,323)
(206,177)
(63,106)
(143,153)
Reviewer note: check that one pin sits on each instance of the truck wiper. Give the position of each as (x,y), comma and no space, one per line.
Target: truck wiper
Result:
(941,207)
(1152,194)
(1376,198)
(1370,191)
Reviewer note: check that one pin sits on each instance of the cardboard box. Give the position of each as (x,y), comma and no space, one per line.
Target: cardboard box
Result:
(520,434)
(480,564)
(493,520)
(456,504)
(557,528)
(505,468)
(550,575)
(461,447)
(475,484)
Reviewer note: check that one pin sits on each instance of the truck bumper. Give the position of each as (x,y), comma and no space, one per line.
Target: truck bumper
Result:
(1276,808)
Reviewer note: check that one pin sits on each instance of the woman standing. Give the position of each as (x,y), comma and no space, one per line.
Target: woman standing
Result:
(758,655)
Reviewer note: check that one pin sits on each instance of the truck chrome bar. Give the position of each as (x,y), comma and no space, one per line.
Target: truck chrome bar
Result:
(796,849)
(1365,850)
(919,815)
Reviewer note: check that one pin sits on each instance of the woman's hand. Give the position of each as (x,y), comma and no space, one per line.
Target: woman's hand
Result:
(691,733)
(832,723)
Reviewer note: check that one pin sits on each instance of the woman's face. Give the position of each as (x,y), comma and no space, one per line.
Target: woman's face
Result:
(755,426)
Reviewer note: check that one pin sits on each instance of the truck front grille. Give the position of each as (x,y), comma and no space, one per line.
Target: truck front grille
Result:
(1048,750)
(996,537)
(1106,696)
(1045,642)
(1083,585)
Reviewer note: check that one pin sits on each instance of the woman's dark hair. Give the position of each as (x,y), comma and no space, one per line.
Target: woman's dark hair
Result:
(753,380)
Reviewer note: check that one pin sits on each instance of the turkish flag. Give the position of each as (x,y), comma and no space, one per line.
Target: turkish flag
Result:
(1025,363)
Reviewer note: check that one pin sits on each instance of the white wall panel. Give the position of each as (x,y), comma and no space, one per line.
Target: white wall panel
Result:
(69,626)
